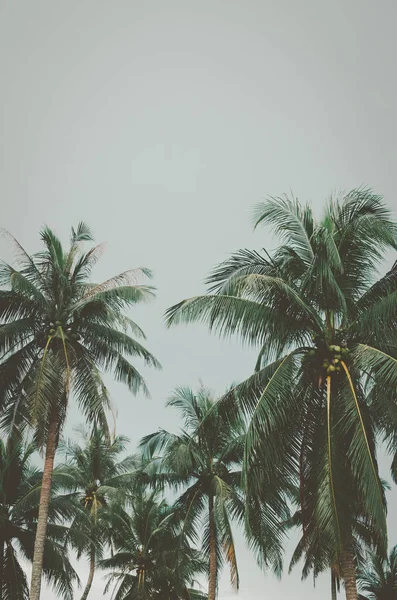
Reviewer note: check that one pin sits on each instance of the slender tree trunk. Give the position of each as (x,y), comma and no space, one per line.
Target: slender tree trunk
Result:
(349,573)
(213,570)
(45,493)
(90,576)
(333,587)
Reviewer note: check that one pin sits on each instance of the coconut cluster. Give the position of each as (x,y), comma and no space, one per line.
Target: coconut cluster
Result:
(332,363)
(68,331)
(328,357)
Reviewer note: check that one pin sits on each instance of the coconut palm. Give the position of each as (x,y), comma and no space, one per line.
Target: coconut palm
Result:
(202,464)
(59,332)
(144,564)
(378,578)
(19,502)
(98,478)
(324,326)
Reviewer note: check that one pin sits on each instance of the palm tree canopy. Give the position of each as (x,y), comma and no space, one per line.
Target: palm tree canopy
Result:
(327,365)
(96,469)
(145,563)
(59,331)
(19,500)
(378,578)
(203,462)
(96,477)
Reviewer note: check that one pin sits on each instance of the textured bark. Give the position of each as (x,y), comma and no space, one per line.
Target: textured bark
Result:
(349,573)
(333,587)
(90,576)
(45,493)
(213,567)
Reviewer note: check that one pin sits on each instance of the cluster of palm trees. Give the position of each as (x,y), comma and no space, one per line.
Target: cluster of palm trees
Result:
(293,446)
(100,508)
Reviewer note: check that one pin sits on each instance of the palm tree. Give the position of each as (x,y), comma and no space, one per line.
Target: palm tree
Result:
(59,331)
(378,579)
(144,563)
(19,502)
(203,462)
(98,478)
(325,330)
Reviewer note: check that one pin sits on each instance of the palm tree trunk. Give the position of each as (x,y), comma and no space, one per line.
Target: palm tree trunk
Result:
(349,573)
(333,587)
(213,567)
(90,576)
(45,493)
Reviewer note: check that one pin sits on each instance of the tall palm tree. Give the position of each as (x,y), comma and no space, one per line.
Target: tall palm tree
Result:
(98,478)
(145,563)
(202,463)
(378,579)
(324,326)
(19,502)
(59,331)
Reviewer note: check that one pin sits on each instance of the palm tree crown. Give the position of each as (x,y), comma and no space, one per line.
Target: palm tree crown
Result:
(59,331)
(325,329)
(98,479)
(203,460)
(203,464)
(145,563)
(378,579)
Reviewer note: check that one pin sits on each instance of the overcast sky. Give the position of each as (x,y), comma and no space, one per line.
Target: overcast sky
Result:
(161,123)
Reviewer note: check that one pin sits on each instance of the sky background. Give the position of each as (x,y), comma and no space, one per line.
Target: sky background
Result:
(161,124)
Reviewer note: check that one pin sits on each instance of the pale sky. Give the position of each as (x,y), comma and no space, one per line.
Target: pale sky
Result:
(161,124)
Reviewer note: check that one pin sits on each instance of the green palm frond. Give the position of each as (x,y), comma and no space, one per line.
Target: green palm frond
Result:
(82,233)
(203,464)
(59,334)
(56,326)
(320,319)
(377,580)
(14,581)
(362,455)
(244,262)
(291,221)
(98,480)
(150,560)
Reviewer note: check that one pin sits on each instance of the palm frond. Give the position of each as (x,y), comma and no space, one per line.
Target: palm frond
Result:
(291,221)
